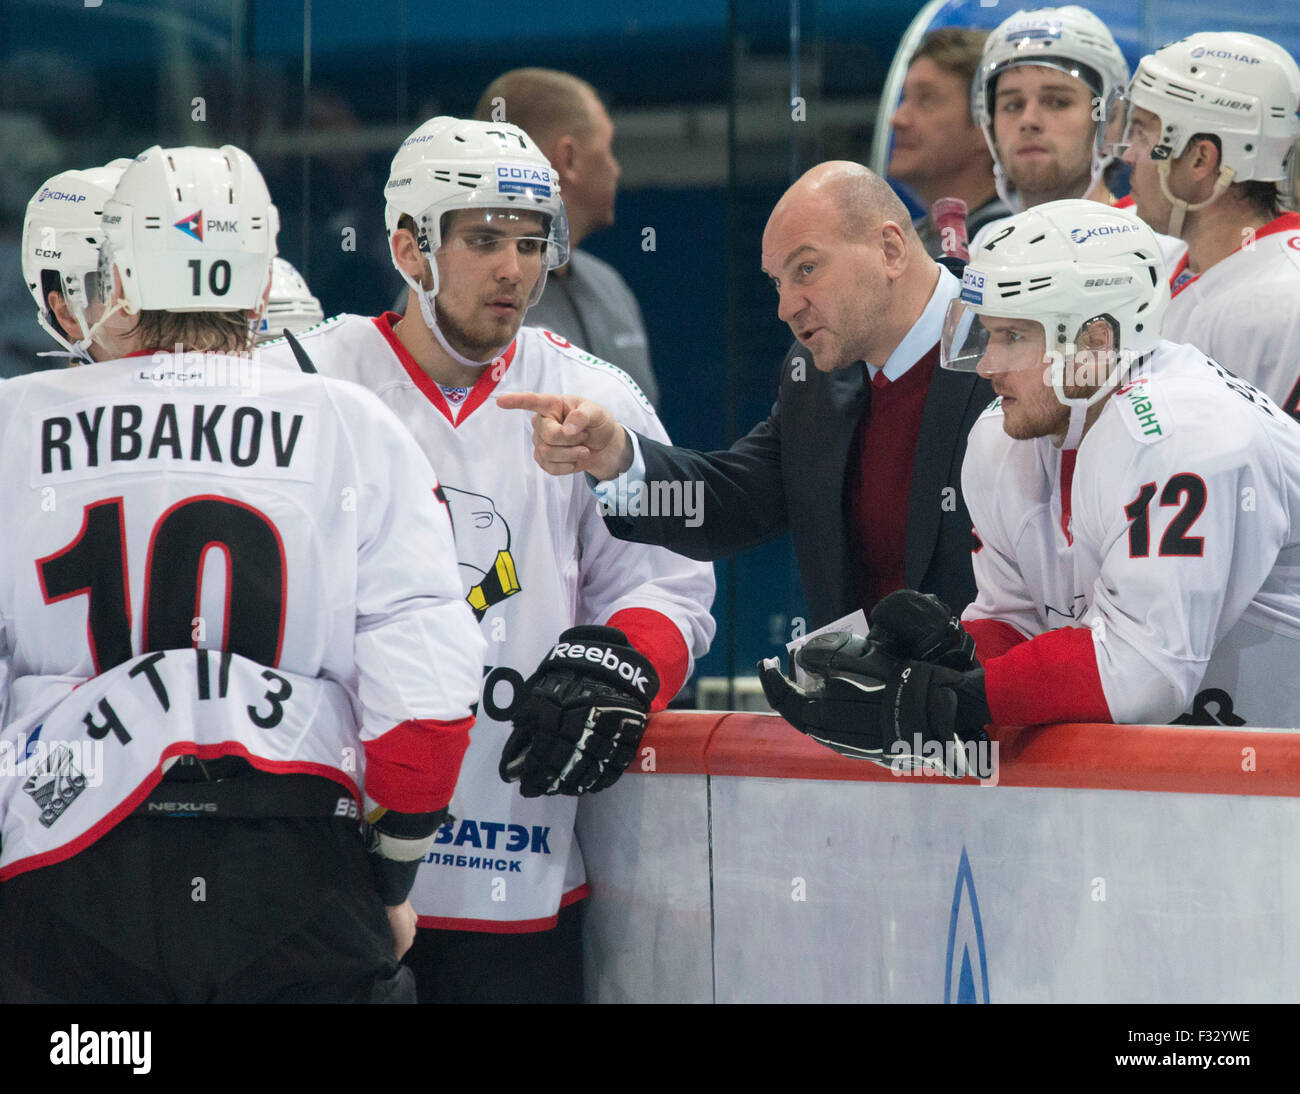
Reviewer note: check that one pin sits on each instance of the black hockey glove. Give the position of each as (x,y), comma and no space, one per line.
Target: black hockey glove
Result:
(919,626)
(903,715)
(582,715)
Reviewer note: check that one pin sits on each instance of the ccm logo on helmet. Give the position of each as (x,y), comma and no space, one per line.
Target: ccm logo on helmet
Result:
(1225,55)
(1082,235)
(603,656)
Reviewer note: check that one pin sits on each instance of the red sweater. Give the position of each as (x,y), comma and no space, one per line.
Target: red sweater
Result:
(879,480)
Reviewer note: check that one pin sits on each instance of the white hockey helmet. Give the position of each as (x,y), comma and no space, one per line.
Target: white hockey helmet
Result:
(190,230)
(1065,265)
(454,163)
(62,234)
(1070,39)
(1241,88)
(291,305)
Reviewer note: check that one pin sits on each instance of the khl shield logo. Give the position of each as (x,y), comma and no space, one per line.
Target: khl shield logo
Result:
(965,943)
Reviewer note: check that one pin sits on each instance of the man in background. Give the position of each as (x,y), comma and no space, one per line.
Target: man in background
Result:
(586,300)
(939,151)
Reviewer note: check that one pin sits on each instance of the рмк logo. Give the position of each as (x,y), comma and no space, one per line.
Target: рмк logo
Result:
(192,225)
(965,931)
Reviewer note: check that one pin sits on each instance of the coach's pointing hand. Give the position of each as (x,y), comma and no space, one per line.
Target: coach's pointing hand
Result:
(573,434)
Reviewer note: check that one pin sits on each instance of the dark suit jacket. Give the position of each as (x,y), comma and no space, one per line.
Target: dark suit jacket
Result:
(788,474)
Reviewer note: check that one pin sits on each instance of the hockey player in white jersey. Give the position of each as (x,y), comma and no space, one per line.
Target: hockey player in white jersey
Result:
(1211,131)
(1135,508)
(60,254)
(475,221)
(233,625)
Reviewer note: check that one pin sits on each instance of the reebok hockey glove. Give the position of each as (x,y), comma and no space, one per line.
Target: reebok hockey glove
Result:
(919,626)
(903,715)
(582,715)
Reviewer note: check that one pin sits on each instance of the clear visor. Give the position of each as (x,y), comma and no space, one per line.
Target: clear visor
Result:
(986,76)
(537,241)
(1112,127)
(493,244)
(987,344)
(91,286)
(488,230)
(99,285)
(1128,126)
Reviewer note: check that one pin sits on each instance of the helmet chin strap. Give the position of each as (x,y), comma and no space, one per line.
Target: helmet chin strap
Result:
(74,358)
(1079,407)
(429,312)
(93,334)
(1078,418)
(1182,208)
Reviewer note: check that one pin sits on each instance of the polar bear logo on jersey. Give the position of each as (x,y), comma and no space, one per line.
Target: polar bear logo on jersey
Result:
(483,546)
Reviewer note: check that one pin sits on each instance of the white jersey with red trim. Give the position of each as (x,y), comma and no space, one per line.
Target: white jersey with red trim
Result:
(1174,537)
(1244,311)
(535,559)
(174,503)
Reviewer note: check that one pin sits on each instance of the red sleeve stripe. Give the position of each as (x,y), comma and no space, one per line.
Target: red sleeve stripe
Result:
(1051,678)
(413,767)
(656,636)
(993,637)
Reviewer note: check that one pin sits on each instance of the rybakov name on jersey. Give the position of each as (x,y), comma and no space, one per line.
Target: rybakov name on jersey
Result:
(98,437)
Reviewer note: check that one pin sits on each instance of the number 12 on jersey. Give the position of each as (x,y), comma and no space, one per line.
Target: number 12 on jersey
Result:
(1175,541)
